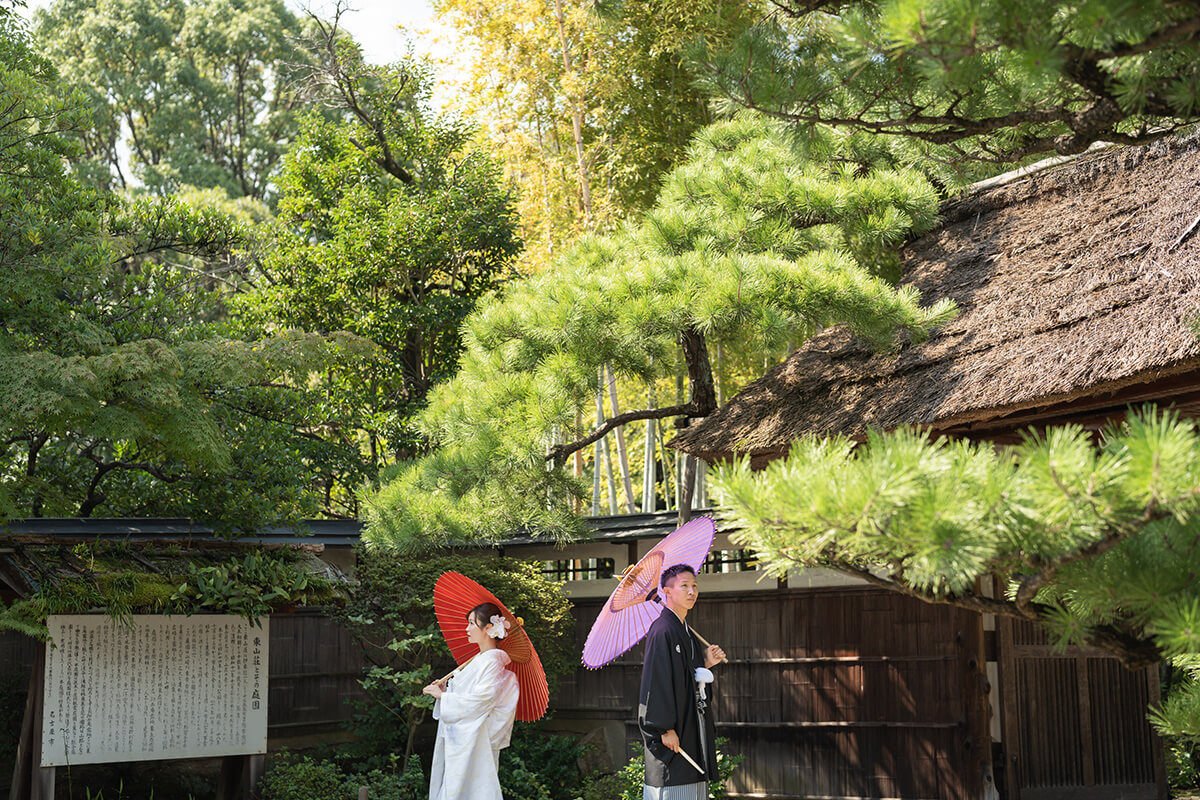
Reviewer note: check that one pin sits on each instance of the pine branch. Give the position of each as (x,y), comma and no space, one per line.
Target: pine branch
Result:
(558,454)
(1132,651)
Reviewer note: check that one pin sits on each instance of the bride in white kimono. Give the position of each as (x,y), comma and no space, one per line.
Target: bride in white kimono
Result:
(475,711)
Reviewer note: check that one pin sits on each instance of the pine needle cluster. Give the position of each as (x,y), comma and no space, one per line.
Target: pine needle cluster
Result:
(1099,544)
(969,81)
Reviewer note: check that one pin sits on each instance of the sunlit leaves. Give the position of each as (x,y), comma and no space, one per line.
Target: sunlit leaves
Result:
(1113,522)
(752,244)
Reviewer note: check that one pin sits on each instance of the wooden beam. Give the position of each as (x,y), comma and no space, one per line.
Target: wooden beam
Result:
(1179,390)
(1010,722)
(23,766)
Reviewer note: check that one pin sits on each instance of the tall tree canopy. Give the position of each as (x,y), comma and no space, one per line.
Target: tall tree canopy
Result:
(197,91)
(588,104)
(971,81)
(391,226)
(124,394)
(751,241)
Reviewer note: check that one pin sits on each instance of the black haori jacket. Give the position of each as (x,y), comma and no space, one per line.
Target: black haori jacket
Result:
(668,700)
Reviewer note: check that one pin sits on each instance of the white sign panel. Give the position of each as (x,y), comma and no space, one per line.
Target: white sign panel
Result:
(158,687)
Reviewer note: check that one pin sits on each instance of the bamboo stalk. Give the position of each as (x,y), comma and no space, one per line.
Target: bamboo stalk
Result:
(596,457)
(648,482)
(622,457)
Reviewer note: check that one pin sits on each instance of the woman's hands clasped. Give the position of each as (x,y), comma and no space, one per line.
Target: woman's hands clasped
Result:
(435,689)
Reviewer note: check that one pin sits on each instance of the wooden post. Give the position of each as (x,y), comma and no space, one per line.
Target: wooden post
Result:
(21,765)
(230,783)
(362,793)
(1010,721)
(256,767)
(41,779)
(30,780)
(1154,692)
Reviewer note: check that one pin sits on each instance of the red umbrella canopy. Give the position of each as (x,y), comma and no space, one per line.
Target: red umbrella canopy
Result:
(454,596)
(629,612)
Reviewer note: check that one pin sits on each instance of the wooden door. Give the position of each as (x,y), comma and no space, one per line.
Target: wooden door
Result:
(1075,722)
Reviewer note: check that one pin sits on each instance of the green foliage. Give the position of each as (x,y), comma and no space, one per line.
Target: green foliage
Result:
(540,766)
(751,245)
(534,68)
(126,393)
(626,783)
(305,778)
(199,91)
(250,586)
(1099,544)
(390,228)
(969,80)
(391,615)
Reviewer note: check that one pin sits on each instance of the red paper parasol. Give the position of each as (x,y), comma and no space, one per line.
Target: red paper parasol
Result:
(627,615)
(453,597)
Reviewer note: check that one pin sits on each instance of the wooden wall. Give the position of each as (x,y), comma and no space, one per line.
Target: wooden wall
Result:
(315,669)
(828,693)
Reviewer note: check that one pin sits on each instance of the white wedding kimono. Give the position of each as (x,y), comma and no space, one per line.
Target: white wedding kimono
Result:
(475,720)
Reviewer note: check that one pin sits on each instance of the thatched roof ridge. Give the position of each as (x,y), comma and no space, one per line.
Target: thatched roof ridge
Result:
(1076,282)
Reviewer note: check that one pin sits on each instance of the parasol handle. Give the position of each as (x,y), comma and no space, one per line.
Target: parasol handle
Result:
(706,643)
(455,671)
(691,761)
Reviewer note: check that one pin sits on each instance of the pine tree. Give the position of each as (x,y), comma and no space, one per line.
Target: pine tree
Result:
(971,80)
(752,242)
(1099,545)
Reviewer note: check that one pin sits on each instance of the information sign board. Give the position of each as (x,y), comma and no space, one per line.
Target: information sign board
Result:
(153,687)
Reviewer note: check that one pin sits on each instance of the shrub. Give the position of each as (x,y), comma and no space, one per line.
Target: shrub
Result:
(391,615)
(308,779)
(626,783)
(540,766)
(303,779)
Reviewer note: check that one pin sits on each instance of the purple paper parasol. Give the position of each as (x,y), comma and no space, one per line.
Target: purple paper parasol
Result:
(629,612)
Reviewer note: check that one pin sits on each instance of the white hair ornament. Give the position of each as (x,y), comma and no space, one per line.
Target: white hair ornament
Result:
(499,627)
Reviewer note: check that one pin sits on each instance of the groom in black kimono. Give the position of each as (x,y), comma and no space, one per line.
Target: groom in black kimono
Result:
(673,706)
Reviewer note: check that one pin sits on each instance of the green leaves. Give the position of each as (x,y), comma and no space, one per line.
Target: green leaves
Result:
(1101,536)
(250,587)
(200,92)
(752,246)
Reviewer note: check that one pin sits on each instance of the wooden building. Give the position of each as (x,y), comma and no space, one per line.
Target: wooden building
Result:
(1078,287)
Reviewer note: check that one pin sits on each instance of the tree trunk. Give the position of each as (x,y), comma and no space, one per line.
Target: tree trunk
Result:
(687,486)
(700,376)
(596,455)
(585,188)
(649,484)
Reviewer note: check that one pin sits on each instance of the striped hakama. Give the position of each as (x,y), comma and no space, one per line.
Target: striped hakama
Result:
(688,791)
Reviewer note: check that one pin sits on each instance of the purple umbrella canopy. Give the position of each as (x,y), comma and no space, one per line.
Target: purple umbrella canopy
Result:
(632,607)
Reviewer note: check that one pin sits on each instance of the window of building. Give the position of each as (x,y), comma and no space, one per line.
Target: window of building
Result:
(579,569)
(720,561)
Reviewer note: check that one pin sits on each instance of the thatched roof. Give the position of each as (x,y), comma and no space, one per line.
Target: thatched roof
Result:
(1076,287)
